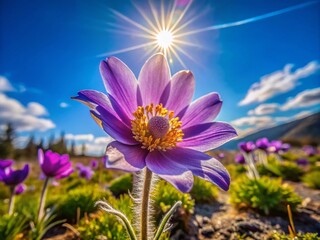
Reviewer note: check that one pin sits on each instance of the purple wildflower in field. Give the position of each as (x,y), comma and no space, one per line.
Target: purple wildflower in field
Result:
(54,165)
(14,177)
(20,189)
(285,147)
(247,147)
(302,162)
(94,163)
(155,124)
(262,143)
(309,150)
(239,158)
(85,172)
(275,146)
(4,163)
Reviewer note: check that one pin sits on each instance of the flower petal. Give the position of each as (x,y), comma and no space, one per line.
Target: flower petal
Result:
(93,98)
(201,165)
(125,157)
(211,170)
(120,83)
(207,136)
(204,109)
(172,171)
(181,82)
(153,79)
(112,126)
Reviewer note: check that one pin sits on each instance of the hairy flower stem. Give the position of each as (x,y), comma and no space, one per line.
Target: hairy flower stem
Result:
(11,201)
(43,199)
(145,205)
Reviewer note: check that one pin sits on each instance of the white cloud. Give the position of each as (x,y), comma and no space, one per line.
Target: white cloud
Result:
(5,85)
(36,109)
(21,141)
(299,115)
(80,137)
(306,98)
(64,105)
(253,121)
(265,108)
(12,111)
(94,146)
(278,82)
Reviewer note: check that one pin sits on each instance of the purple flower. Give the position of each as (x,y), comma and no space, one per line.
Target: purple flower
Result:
(85,172)
(20,189)
(54,165)
(285,147)
(14,177)
(239,158)
(275,146)
(155,124)
(221,155)
(247,146)
(94,163)
(4,163)
(309,150)
(262,143)
(302,162)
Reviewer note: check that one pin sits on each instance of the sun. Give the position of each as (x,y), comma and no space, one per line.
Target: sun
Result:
(164,39)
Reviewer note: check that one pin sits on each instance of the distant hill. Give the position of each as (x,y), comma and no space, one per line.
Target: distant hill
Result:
(298,132)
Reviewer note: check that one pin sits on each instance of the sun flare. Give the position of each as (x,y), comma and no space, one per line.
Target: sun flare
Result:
(164,39)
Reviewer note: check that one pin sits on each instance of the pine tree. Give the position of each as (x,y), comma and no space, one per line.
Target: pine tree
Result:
(7,149)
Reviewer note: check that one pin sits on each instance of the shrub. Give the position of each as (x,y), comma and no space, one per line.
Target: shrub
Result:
(312,179)
(107,225)
(286,170)
(166,196)
(264,194)
(121,185)
(236,170)
(203,191)
(300,236)
(11,227)
(83,198)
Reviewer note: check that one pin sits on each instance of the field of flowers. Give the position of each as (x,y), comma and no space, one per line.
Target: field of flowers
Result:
(177,186)
(57,198)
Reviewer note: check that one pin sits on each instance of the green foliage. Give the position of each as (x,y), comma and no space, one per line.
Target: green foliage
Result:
(107,225)
(166,196)
(300,236)
(265,194)
(312,179)
(42,226)
(12,226)
(83,198)
(203,191)
(236,170)
(121,185)
(4,191)
(286,170)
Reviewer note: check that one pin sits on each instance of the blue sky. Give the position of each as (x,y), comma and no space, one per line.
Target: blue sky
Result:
(49,50)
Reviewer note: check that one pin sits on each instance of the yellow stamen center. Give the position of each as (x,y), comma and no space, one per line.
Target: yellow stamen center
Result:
(156,128)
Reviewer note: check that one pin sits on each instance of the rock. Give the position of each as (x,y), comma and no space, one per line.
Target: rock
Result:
(249,226)
(207,231)
(206,220)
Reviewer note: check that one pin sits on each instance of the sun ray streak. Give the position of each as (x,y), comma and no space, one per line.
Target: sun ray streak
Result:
(248,20)
(173,9)
(129,49)
(133,22)
(163,25)
(155,14)
(179,59)
(189,44)
(145,17)
(181,16)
